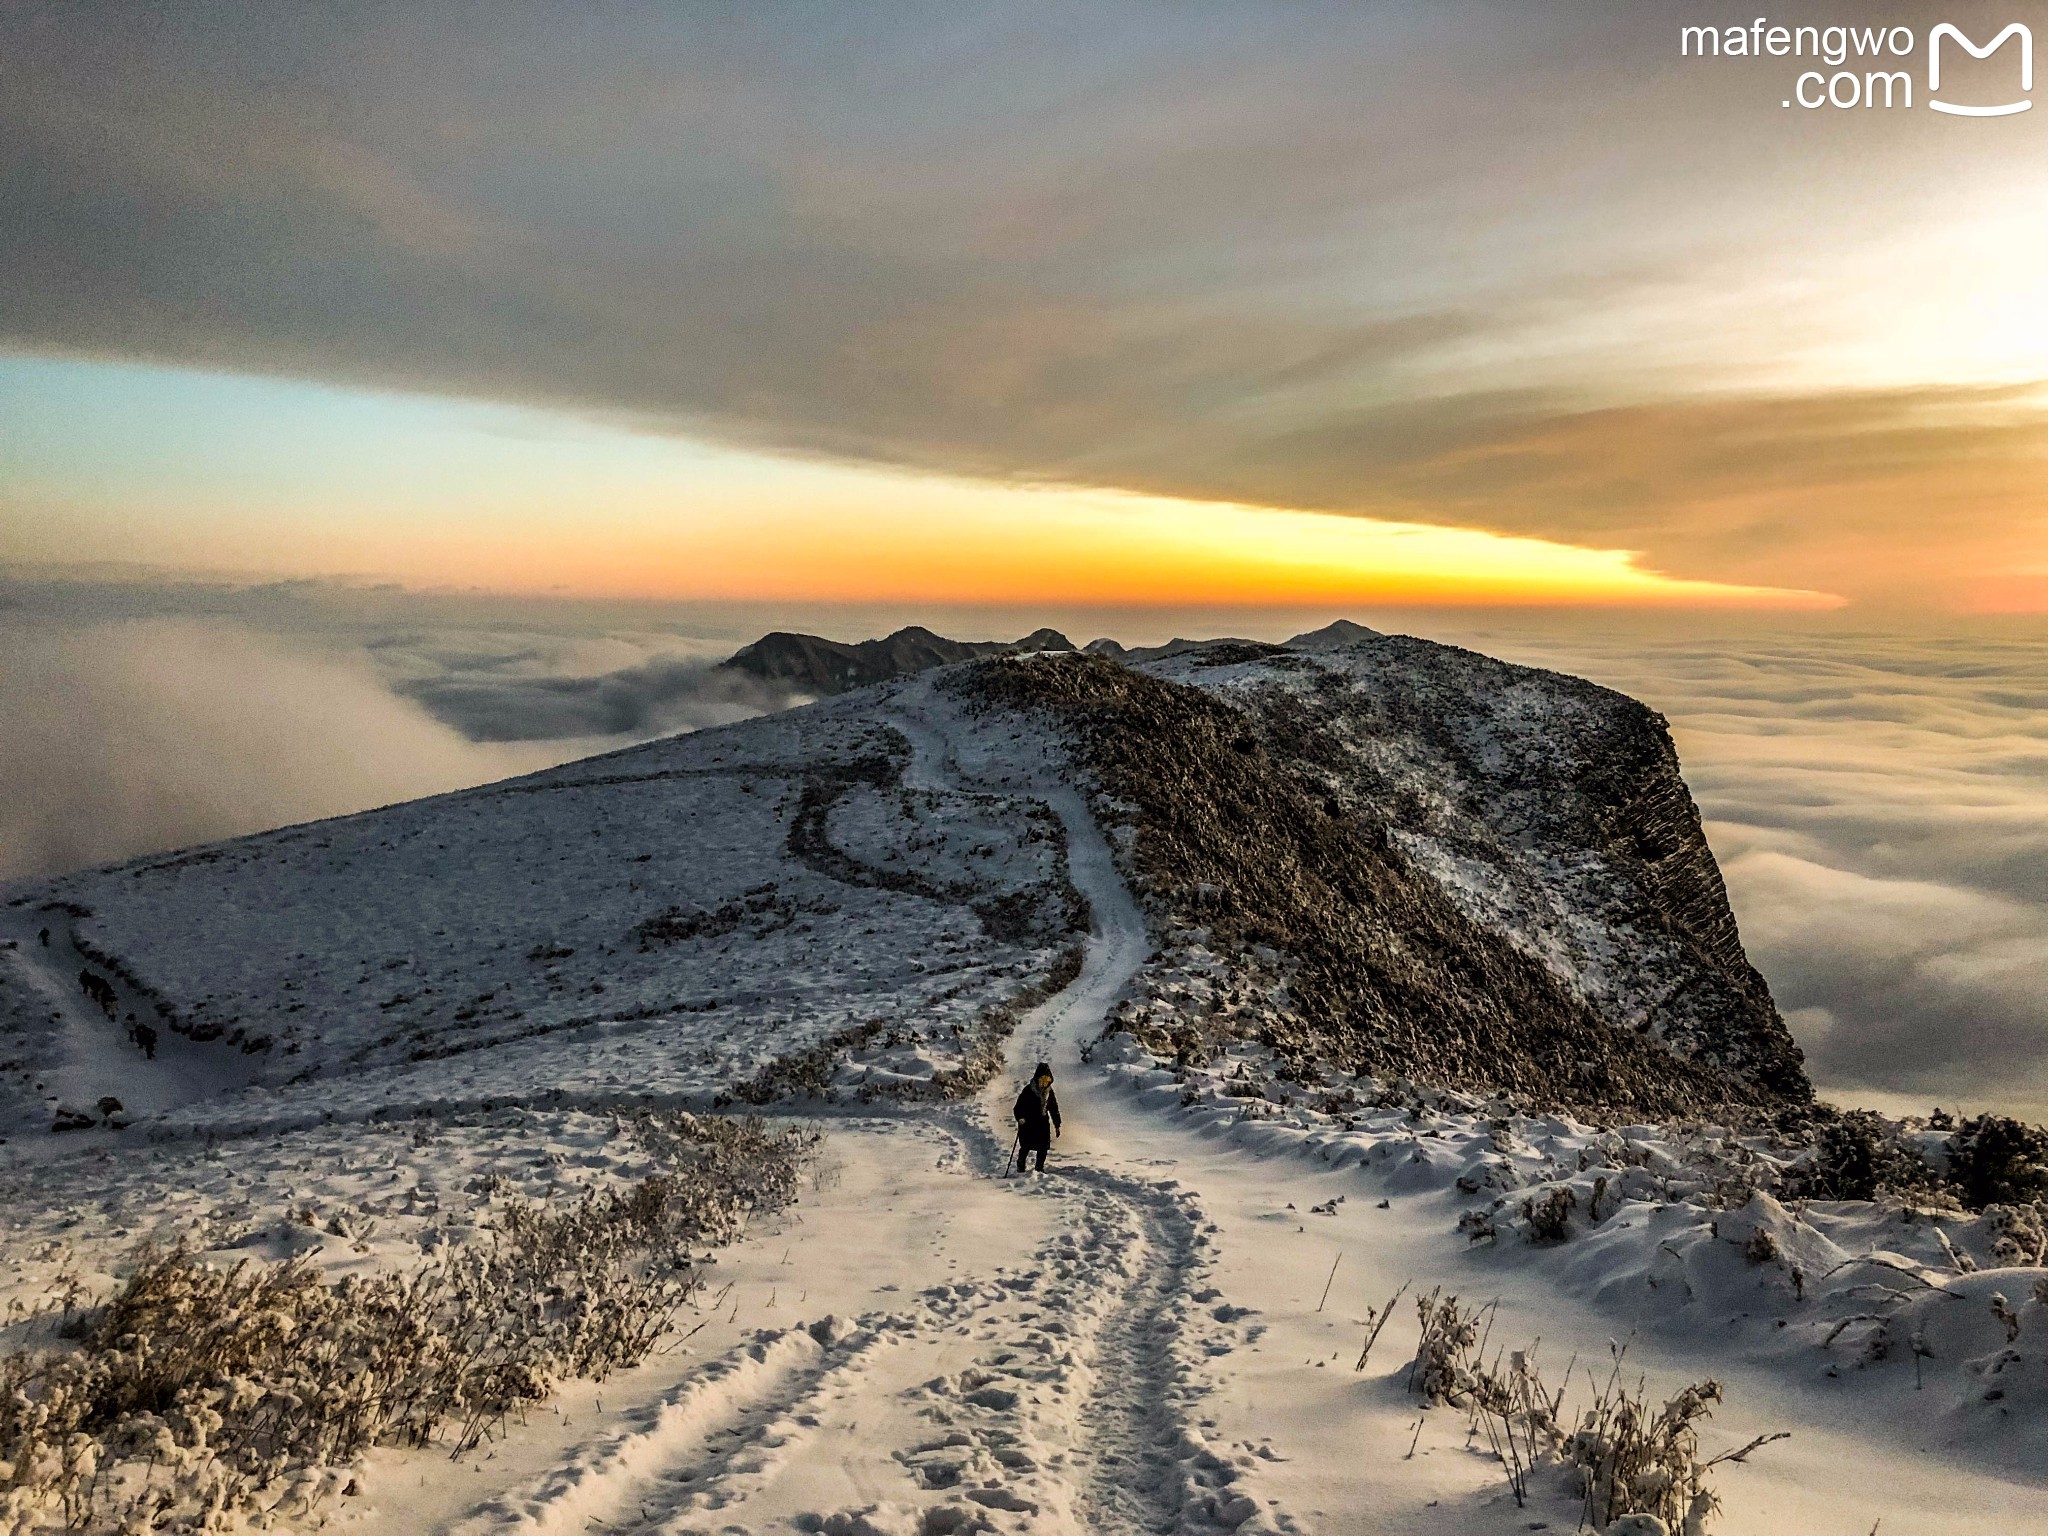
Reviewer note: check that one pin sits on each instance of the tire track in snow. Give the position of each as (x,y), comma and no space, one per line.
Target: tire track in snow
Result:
(706,1447)
(1136,1432)
(607,1479)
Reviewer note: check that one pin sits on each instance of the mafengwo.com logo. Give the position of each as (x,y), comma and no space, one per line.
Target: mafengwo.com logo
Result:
(1876,66)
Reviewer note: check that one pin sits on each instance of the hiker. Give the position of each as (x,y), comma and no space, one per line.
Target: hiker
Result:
(99,990)
(143,1036)
(45,937)
(1037,1114)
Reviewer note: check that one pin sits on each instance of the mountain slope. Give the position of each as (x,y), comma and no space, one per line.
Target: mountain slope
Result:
(1349,852)
(1409,860)
(676,919)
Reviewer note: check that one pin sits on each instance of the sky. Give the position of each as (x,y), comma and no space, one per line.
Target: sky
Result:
(652,299)
(393,397)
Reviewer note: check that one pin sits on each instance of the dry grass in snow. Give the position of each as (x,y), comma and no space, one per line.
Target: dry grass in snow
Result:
(1637,1470)
(196,1398)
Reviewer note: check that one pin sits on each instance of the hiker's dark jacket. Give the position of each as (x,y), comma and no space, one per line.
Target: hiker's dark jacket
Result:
(1036,1118)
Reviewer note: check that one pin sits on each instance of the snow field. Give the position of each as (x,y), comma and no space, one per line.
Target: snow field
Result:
(1157,1336)
(1660,1230)
(668,922)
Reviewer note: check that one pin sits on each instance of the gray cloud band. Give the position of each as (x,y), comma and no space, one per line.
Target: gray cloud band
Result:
(1027,277)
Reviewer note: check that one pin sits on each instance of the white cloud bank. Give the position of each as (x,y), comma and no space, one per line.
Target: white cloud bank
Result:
(127,737)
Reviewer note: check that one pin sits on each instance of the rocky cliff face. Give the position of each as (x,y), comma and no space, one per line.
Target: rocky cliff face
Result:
(1413,860)
(1587,843)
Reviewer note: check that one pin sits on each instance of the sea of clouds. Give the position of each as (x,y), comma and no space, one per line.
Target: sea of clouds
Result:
(1879,802)
(143,716)
(1879,805)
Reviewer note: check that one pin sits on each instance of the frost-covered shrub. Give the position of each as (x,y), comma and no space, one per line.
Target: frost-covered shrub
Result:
(1445,1368)
(1994,1159)
(1631,1460)
(1479,1226)
(1859,1157)
(198,1396)
(1550,1214)
(1628,1461)
(2019,1233)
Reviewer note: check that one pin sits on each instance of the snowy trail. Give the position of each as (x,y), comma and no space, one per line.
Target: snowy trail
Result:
(1035,1397)
(1136,1343)
(95,1055)
(1050,1382)
(1152,1466)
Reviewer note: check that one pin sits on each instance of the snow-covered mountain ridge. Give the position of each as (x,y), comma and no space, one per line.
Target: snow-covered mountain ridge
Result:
(1458,870)
(1416,861)
(1360,962)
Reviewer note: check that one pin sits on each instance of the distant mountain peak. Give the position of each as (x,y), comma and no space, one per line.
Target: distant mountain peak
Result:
(1340,633)
(1044,639)
(814,665)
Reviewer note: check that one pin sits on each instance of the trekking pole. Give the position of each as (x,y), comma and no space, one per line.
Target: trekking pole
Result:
(1016,1141)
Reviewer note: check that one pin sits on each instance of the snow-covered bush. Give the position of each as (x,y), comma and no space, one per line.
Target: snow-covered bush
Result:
(1549,1214)
(1446,1367)
(195,1396)
(2019,1233)
(1632,1464)
(1994,1159)
(1860,1156)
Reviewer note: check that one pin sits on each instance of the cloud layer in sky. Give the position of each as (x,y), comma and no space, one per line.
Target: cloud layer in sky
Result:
(128,738)
(1499,265)
(657,697)
(142,717)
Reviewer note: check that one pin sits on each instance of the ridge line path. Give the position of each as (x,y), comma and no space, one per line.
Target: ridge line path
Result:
(95,1055)
(1134,1343)
(919,1347)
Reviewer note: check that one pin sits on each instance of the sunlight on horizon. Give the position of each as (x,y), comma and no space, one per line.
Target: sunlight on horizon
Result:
(297,478)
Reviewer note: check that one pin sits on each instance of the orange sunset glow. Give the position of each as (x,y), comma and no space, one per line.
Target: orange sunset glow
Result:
(985,545)
(1315,326)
